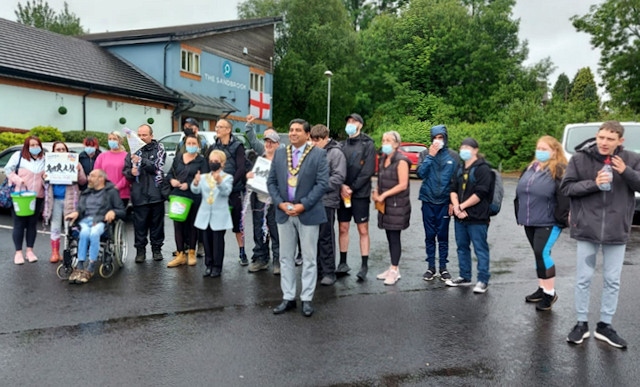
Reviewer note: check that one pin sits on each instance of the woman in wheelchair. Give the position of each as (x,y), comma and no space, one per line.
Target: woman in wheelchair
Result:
(99,204)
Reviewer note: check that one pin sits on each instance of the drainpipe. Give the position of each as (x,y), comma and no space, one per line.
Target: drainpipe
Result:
(84,109)
(164,61)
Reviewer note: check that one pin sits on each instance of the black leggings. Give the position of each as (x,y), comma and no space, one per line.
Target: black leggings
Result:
(28,222)
(213,247)
(186,232)
(395,246)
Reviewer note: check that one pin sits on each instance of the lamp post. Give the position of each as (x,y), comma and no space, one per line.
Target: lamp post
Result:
(328,74)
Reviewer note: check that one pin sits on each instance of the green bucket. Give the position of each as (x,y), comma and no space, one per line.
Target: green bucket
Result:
(179,207)
(24,203)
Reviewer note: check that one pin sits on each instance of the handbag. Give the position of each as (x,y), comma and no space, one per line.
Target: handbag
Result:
(6,189)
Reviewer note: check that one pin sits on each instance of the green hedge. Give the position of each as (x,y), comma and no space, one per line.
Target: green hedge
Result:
(47,133)
(80,135)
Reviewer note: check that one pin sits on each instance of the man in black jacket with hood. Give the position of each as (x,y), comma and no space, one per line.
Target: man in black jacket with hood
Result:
(360,151)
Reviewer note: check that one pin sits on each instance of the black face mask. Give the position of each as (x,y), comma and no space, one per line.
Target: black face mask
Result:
(214,166)
(188,131)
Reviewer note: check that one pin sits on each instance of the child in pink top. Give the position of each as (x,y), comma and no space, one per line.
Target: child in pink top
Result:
(112,163)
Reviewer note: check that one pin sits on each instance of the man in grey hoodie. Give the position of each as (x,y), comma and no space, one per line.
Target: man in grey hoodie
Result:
(600,180)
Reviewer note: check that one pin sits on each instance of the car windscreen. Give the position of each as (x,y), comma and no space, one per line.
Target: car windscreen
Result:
(577,134)
(413,148)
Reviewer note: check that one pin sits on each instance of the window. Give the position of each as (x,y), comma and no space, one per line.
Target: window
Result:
(256,82)
(190,61)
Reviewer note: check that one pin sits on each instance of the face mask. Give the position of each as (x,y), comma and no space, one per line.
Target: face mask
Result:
(439,143)
(113,144)
(543,156)
(351,129)
(188,131)
(465,154)
(90,150)
(214,166)
(35,150)
(192,149)
(387,149)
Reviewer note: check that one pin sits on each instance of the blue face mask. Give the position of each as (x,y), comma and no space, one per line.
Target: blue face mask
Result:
(465,154)
(113,144)
(89,150)
(351,129)
(387,149)
(35,150)
(543,156)
(192,149)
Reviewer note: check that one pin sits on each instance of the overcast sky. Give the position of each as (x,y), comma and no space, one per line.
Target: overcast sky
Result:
(543,23)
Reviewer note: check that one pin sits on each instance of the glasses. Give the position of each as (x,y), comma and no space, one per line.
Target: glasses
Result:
(222,127)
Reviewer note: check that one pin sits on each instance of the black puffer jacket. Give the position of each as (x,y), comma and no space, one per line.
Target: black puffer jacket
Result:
(397,208)
(146,188)
(360,152)
(600,216)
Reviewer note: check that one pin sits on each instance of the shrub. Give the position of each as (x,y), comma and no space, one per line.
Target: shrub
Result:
(8,139)
(46,133)
(80,135)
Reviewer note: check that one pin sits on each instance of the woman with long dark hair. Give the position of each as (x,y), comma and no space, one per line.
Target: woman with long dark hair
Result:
(25,170)
(89,156)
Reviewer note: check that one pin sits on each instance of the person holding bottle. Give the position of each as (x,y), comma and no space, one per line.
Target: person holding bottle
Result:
(60,200)
(602,207)
(543,210)
(89,156)
(112,163)
(25,170)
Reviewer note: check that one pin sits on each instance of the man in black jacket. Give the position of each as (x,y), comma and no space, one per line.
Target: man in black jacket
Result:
(100,203)
(144,170)
(360,151)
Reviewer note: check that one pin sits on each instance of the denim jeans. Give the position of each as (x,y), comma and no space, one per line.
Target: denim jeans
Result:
(466,234)
(56,218)
(435,219)
(613,258)
(89,235)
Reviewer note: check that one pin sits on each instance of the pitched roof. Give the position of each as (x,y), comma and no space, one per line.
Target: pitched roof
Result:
(183,32)
(31,53)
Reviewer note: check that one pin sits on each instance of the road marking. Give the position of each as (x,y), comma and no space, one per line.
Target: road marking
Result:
(39,231)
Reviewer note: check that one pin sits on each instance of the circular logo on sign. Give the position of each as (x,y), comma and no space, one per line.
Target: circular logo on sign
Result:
(226,69)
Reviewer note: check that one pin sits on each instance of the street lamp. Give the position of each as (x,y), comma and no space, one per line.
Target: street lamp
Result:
(328,74)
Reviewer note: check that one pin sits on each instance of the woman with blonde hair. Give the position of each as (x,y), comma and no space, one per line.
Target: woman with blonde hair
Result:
(112,163)
(543,211)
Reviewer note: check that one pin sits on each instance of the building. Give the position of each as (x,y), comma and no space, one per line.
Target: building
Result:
(219,70)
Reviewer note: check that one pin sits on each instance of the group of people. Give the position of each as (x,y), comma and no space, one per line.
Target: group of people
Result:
(316,179)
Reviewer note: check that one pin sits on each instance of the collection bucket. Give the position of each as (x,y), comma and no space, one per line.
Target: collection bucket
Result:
(24,203)
(179,208)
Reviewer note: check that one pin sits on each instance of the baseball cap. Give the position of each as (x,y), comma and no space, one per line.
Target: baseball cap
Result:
(356,117)
(273,136)
(470,142)
(192,121)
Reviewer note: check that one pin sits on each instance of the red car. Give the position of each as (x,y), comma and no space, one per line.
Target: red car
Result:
(412,151)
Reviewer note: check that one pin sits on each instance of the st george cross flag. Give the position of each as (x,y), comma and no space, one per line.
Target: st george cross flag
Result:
(260,105)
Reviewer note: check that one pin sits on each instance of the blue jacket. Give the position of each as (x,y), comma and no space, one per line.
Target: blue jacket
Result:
(539,202)
(437,171)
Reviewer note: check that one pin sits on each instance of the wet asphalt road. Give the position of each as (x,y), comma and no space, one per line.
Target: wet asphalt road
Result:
(153,326)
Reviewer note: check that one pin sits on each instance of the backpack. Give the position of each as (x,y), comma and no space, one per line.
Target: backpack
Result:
(497,190)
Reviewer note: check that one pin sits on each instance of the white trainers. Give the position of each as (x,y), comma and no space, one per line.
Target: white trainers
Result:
(392,277)
(480,287)
(383,275)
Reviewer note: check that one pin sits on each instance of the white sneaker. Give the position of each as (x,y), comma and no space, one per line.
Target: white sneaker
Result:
(392,277)
(480,287)
(383,275)
(457,282)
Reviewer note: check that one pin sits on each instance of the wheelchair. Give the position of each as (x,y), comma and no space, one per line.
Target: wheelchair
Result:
(112,254)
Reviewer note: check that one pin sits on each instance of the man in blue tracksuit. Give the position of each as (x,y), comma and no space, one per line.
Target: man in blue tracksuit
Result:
(436,167)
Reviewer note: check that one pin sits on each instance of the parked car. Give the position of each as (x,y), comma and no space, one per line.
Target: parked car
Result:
(171,141)
(412,151)
(5,155)
(575,134)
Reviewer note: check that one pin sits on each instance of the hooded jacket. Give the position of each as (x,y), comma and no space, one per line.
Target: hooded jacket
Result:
(110,201)
(479,178)
(437,171)
(337,172)
(360,152)
(600,216)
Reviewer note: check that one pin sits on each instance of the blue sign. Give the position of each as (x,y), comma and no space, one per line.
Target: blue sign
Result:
(226,69)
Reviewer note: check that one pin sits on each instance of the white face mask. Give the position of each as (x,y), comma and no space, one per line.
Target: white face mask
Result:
(439,143)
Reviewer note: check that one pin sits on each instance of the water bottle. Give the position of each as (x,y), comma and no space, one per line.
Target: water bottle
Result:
(606,168)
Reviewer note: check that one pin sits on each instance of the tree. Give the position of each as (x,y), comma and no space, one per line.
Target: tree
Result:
(562,88)
(584,93)
(614,26)
(362,12)
(39,14)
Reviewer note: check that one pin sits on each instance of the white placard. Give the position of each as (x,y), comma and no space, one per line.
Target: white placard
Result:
(260,171)
(61,168)
(135,143)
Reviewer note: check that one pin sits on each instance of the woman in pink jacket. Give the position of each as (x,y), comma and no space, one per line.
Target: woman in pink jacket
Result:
(112,163)
(27,178)
(60,200)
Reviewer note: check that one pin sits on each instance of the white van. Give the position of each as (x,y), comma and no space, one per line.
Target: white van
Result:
(576,134)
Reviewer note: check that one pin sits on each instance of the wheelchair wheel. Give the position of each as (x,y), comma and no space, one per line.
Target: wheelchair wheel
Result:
(106,270)
(120,243)
(63,272)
